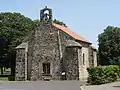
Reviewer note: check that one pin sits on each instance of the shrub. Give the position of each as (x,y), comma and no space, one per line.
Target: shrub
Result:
(103,74)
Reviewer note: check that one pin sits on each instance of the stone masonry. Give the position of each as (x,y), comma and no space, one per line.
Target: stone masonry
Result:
(20,65)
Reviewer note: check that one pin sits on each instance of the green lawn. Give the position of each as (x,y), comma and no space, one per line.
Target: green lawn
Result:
(6,72)
(3,78)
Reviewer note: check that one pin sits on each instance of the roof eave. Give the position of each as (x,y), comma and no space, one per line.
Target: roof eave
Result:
(84,41)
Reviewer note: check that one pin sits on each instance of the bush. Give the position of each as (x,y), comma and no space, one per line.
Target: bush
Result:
(103,74)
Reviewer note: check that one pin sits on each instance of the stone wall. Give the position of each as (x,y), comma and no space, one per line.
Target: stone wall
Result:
(92,57)
(72,67)
(47,44)
(83,74)
(64,37)
(30,55)
(20,65)
(80,63)
(45,49)
(95,58)
(70,62)
(70,58)
(85,51)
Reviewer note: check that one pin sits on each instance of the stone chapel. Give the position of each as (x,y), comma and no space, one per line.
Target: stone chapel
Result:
(53,52)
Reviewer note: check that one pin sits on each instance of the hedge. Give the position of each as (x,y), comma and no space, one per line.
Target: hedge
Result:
(103,74)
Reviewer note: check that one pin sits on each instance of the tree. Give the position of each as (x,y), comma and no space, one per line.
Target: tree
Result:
(59,22)
(109,46)
(37,22)
(2,45)
(2,61)
(13,28)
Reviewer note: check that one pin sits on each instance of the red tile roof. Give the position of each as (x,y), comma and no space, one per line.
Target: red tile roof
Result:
(73,34)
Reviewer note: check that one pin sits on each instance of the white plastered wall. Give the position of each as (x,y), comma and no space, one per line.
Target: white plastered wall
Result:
(83,74)
(95,58)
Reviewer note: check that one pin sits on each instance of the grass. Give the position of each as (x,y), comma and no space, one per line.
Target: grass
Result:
(3,78)
(6,72)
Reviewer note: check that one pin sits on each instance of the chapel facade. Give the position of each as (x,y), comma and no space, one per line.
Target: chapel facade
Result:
(53,52)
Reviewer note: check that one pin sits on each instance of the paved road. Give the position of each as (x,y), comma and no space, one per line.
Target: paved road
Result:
(110,86)
(55,85)
(41,85)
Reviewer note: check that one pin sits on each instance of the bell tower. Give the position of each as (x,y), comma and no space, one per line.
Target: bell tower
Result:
(46,14)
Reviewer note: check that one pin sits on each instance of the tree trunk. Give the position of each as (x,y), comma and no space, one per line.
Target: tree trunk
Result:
(1,70)
(4,68)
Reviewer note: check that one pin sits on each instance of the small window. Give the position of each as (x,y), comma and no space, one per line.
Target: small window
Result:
(83,59)
(46,68)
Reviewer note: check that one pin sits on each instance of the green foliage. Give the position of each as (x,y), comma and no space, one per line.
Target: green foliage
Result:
(3,78)
(37,22)
(103,74)
(109,46)
(13,27)
(59,22)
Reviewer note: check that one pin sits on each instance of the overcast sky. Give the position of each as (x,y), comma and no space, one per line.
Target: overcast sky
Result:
(85,17)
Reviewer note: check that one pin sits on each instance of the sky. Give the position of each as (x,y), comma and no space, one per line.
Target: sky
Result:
(85,17)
